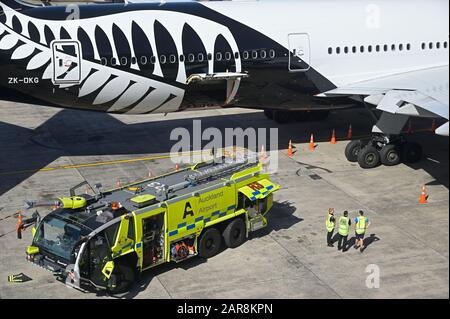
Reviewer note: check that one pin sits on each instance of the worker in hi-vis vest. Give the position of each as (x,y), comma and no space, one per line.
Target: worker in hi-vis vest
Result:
(361,225)
(344,229)
(330,223)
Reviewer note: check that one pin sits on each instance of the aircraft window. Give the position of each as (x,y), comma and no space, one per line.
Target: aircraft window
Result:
(330,50)
(338,50)
(423,46)
(385,48)
(173,58)
(219,56)
(370,48)
(272,54)
(445,44)
(431,45)
(210,56)
(354,50)
(133,60)
(438,45)
(361,49)
(408,47)
(113,61)
(191,57)
(153,59)
(123,61)
(263,54)
(393,47)
(182,58)
(378,48)
(201,57)
(236,55)
(228,56)
(104,61)
(254,55)
(400,47)
(144,60)
(163,59)
(246,55)
(346,50)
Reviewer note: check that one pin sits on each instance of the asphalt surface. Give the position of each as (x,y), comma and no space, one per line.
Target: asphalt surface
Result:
(45,151)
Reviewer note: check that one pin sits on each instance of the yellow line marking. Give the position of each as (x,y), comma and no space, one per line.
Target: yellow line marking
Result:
(96,164)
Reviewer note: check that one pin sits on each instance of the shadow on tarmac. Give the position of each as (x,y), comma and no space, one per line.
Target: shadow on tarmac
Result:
(85,133)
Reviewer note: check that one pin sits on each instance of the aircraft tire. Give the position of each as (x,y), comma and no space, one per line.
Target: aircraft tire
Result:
(412,153)
(369,157)
(390,155)
(352,149)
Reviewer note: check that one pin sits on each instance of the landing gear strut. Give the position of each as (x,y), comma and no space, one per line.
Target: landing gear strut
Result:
(383,149)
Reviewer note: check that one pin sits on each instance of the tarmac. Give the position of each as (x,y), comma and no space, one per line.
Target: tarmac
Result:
(45,151)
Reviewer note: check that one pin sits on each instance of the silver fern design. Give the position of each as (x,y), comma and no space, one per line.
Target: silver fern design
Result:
(92,43)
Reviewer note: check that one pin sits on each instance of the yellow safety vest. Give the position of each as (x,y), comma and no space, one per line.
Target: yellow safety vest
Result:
(343,226)
(361,225)
(329,223)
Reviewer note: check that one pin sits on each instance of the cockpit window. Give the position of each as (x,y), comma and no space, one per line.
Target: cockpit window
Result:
(58,237)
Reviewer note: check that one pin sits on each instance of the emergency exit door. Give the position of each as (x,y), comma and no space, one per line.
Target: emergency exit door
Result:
(66,62)
(300,53)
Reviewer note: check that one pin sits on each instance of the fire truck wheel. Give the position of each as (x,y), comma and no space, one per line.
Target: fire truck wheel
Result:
(122,279)
(210,243)
(234,233)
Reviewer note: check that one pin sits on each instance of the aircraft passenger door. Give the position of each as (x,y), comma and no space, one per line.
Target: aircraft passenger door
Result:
(66,62)
(300,53)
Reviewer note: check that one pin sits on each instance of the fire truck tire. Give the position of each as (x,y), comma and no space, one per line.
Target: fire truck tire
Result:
(234,233)
(122,279)
(210,242)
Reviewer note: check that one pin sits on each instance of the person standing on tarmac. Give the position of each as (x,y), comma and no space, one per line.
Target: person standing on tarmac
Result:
(361,225)
(344,229)
(330,223)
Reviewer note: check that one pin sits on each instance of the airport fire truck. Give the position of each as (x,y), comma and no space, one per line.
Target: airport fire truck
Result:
(103,241)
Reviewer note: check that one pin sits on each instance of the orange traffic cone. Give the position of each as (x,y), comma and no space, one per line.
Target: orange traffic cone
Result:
(333,137)
(290,150)
(433,126)
(423,196)
(19,225)
(312,146)
(262,154)
(350,133)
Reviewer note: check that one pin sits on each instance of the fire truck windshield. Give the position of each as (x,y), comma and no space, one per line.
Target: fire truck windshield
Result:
(58,237)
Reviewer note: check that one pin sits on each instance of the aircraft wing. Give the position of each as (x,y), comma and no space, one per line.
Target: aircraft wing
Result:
(421,93)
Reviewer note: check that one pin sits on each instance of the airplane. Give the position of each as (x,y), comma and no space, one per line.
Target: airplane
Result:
(293,59)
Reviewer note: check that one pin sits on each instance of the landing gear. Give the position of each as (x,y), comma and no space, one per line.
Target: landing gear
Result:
(382,149)
(368,157)
(352,150)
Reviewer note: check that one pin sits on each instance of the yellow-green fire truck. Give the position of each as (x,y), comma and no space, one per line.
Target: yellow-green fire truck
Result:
(105,240)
